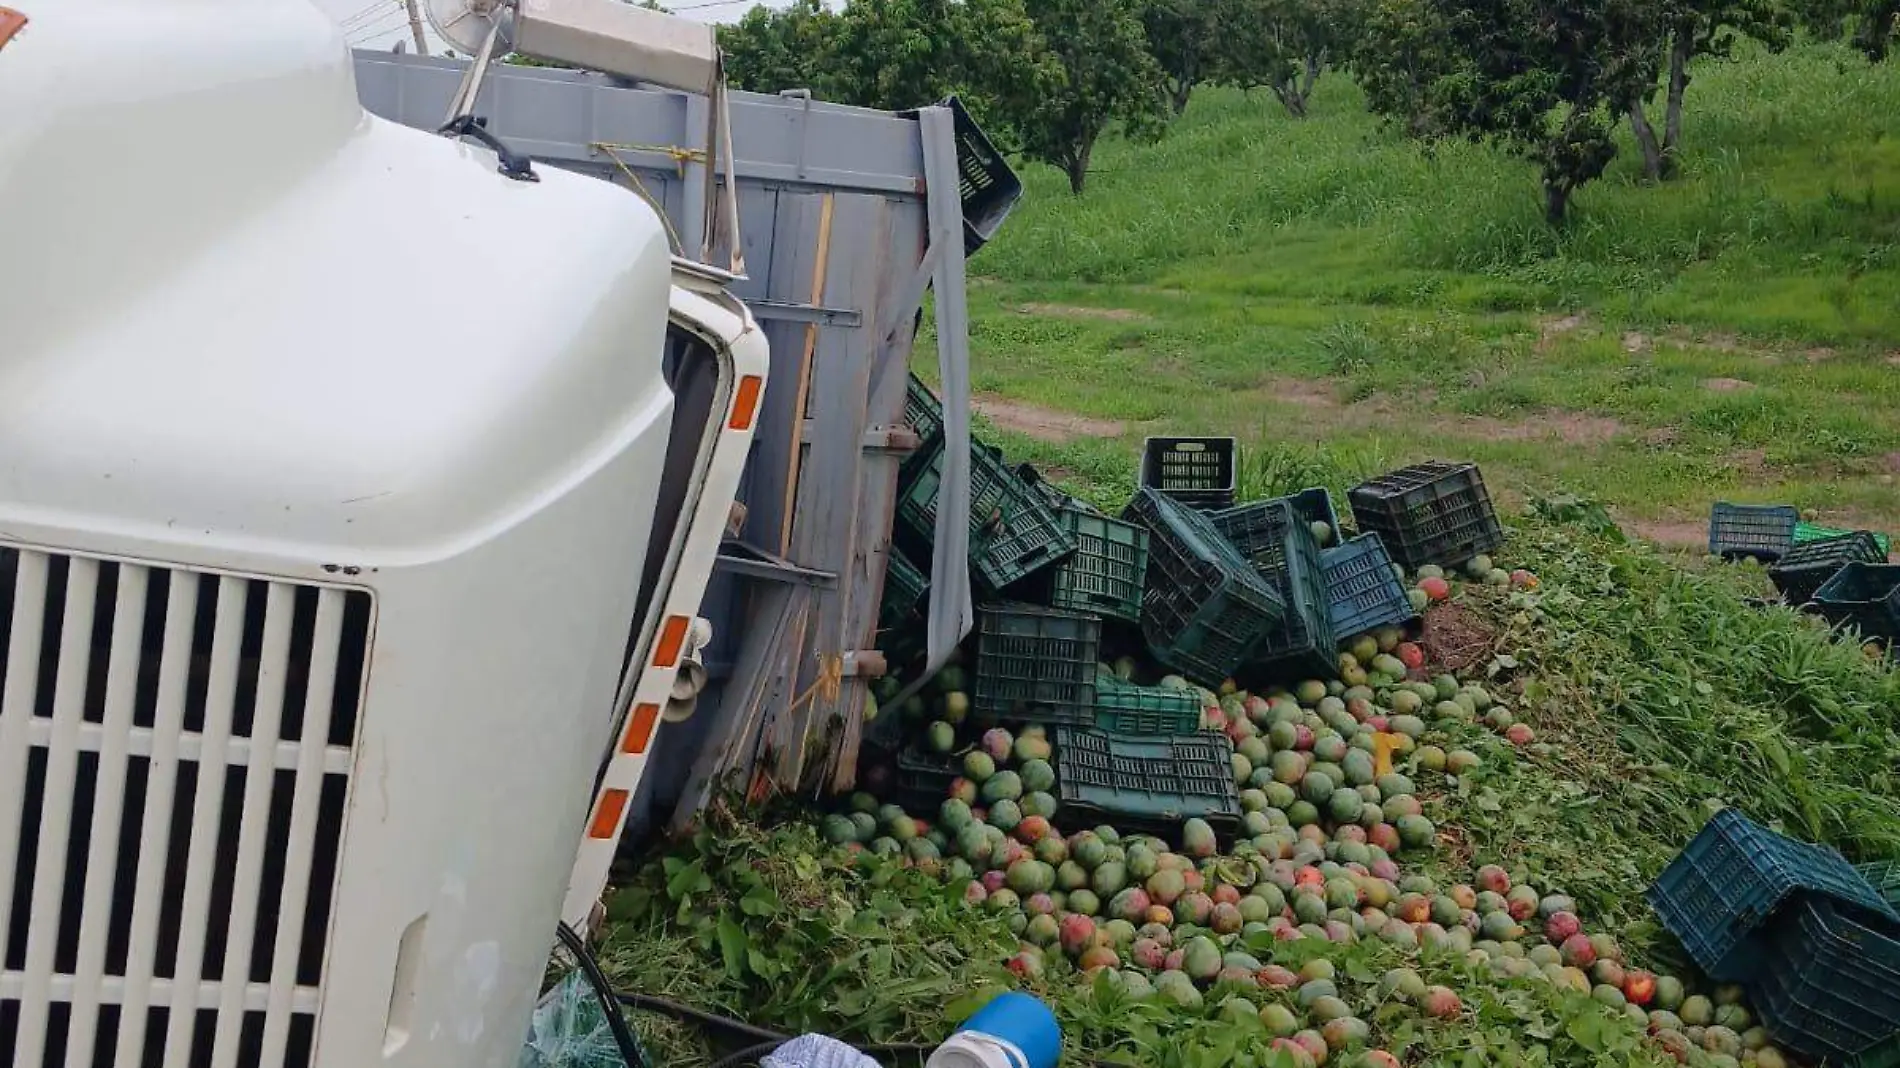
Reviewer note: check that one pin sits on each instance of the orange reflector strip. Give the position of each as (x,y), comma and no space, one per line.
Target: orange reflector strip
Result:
(672,641)
(607,816)
(640,729)
(745,403)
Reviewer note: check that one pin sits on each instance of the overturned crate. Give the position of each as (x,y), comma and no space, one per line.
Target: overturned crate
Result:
(1146,785)
(1280,545)
(1014,529)
(1363,589)
(1429,513)
(1204,609)
(1806,566)
(1751,531)
(1036,665)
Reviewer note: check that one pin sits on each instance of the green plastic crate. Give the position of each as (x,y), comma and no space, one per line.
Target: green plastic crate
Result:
(1885,1055)
(1884,877)
(1204,609)
(1863,596)
(1807,565)
(1721,895)
(1036,665)
(1829,988)
(1014,531)
(1125,708)
(1149,785)
(905,587)
(1316,506)
(1278,541)
(923,411)
(1104,575)
(923,779)
(1805,531)
(900,619)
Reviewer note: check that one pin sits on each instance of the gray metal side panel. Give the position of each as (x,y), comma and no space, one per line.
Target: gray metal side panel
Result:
(809,174)
(560,116)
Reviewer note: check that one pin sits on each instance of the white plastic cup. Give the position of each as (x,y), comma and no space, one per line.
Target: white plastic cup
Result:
(973,1049)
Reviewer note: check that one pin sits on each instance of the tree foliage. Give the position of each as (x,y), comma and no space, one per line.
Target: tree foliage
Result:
(1875,34)
(1824,20)
(792,48)
(1108,76)
(1045,77)
(1184,36)
(1546,80)
(1283,45)
(1689,29)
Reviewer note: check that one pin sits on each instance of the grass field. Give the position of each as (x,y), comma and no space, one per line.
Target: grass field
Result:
(1323,285)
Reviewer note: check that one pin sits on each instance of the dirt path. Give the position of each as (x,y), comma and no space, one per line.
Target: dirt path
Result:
(1044,424)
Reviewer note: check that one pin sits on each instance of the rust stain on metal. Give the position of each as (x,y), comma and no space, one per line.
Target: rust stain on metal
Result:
(11,23)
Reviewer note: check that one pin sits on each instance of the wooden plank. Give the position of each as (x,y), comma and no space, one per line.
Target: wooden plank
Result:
(828,502)
(802,403)
(904,235)
(787,268)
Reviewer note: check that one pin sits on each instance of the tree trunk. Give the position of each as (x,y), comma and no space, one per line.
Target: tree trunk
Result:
(1875,32)
(1556,203)
(1078,165)
(1178,92)
(1288,93)
(1314,64)
(1678,83)
(1646,140)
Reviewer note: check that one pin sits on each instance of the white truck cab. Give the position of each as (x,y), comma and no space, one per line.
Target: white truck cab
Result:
(356,501)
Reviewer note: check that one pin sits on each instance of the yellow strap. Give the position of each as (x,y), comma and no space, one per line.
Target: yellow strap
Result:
(680,156)
(640,187)
(829,684)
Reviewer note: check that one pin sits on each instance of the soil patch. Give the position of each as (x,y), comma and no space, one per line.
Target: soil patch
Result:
(1301,392)
(1456,638)
(1752,463)
(1552,328)
(1670,533)
(1726,385)
(1635,341)
(1077,311)
(1571,428)
(1045,424)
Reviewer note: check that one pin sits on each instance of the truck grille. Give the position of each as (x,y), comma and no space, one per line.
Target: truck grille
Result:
(175,753)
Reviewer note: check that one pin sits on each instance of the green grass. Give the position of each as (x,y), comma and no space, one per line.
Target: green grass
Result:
(1327,282)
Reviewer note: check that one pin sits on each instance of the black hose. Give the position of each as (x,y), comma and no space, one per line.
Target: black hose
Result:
(630,1049)
(750,1053)
(892,1049)
(678,1011)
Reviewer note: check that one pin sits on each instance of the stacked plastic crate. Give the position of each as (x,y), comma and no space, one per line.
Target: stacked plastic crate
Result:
(1816,944)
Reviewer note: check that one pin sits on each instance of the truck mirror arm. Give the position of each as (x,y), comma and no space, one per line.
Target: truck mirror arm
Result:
(513,164)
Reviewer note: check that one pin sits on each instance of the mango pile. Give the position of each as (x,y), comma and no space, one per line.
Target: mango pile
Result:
(1271,924)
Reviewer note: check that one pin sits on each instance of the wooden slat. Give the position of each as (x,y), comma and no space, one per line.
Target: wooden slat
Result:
(794,250)
(828,508)
(889,374)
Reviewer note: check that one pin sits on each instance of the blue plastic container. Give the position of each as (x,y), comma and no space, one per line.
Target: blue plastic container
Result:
(1013,1031)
